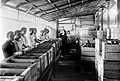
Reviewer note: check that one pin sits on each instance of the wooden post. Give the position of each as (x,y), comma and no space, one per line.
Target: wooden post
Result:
(25,15)
(18,15)
(108,20)
(118,14)
(57,26)
(102,18)
(108,14)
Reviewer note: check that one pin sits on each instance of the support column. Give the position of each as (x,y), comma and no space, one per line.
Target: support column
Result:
(102,18)
(108,20)
(118,14)
(57,26)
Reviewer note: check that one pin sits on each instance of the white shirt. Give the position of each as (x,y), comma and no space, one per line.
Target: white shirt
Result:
(18,45)
(31,41)
(24,40)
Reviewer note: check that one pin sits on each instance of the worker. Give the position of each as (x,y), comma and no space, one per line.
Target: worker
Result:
(8,47)
(18,42)
(23,37)
(42,35)
(63,36)
(31,38)
(35,36)
(46,32)
(24,40)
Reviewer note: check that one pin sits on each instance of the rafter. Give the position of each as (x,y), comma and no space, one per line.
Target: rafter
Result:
(3,2)
(69,2)
(64,5)
(43,10)
(73,6)
(82,13)
(22,11)
(27,3)
(65,19)
(52,4)
(46,4)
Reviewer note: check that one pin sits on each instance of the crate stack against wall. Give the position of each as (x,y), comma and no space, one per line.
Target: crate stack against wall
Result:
(30,66)
(108,62)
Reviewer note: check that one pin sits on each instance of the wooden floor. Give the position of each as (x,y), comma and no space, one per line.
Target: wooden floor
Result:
(70,68)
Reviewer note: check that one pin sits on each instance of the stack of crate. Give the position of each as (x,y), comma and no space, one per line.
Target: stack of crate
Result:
(108,62)
(29,66)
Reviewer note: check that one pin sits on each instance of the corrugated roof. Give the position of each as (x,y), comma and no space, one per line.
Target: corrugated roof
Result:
(56,9)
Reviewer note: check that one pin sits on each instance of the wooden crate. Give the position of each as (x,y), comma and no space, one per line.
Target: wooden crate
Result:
(28,74)
(109,66)
(88,54)
(42,60)
(111,51)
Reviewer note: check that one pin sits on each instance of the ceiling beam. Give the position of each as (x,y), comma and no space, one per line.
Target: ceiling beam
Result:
(77,15)
(64,5)
(23,11)
(73,6)
(66,19)
(3,2)
(46,4)
(96,8)
(81,15)
(69,2)
(52,4)
(66,23)
(27,3)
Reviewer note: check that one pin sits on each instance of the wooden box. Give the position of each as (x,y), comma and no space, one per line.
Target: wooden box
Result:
(88,54)
(29,74)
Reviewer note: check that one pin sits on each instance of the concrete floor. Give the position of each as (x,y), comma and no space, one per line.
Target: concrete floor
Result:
(70,68)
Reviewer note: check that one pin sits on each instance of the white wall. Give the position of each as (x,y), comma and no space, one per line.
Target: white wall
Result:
(9,22)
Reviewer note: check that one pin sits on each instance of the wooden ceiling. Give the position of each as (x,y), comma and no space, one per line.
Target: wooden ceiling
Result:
(55,9)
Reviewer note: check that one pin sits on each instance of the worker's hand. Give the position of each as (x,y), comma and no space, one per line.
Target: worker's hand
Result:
(18,53)
(27,49)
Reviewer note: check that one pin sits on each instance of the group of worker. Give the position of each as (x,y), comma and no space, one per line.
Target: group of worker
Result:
(17,43)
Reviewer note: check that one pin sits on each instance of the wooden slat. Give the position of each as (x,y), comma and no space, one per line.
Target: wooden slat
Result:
(112,56)
(112,66)
(14,65)
(87,49)
(10,70)
(113,48)
(111,80)
(88,54)
(112,74)
(91,59)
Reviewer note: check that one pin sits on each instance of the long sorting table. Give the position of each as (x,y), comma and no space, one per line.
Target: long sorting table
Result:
(37,64)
